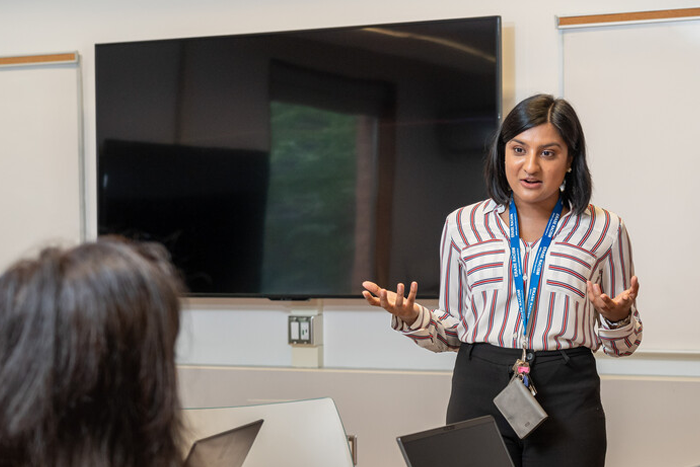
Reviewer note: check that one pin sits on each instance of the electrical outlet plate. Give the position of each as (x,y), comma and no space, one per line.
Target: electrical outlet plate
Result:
(301,330)
(305,333)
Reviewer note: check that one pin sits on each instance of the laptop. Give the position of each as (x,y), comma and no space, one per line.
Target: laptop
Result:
(471,443)
(226,449)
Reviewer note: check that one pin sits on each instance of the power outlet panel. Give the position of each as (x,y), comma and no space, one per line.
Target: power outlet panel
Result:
(302,330)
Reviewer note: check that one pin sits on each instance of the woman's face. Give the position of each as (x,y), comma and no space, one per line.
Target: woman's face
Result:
(536,163)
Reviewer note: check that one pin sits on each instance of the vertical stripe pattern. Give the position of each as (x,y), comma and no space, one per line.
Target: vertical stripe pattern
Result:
(477,301)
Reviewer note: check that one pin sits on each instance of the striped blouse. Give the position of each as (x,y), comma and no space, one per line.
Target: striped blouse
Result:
(477,298)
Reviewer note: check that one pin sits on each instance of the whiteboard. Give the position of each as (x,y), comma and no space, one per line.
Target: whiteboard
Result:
(636,89)
(40,158)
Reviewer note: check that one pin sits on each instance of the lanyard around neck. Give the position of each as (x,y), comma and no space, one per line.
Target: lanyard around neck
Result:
(546,239)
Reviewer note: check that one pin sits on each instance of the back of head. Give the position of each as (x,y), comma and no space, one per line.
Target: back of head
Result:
(87,357)
(529,113)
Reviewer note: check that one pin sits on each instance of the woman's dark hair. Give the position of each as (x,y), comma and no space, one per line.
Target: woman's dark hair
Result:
(87,358)
(534,111)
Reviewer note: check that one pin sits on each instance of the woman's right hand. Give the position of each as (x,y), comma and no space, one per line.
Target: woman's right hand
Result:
(405,309)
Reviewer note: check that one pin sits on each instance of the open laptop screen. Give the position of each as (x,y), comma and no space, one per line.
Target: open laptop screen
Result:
(471,443)
(226,449)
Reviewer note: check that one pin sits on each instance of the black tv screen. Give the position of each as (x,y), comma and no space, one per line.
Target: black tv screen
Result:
(294,165)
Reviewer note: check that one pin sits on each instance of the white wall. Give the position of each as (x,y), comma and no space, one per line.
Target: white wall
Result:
(531,49)
(253,332)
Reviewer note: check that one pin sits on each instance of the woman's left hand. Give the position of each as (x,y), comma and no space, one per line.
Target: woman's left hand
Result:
(613,309)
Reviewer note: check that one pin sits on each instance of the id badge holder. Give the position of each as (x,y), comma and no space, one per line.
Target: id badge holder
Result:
(517,402)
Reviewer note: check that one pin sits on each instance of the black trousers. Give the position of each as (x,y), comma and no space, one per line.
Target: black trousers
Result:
(568,388)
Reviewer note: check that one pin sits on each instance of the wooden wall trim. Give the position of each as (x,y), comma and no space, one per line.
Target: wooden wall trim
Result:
(69,57)
(629,17)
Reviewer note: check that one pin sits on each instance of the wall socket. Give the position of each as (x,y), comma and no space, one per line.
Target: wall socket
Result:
(304,330)
(305,333)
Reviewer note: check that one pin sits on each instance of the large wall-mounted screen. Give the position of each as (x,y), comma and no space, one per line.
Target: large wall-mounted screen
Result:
(292,165)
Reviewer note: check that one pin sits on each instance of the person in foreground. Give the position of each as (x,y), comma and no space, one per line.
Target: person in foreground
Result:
(87,358)
(497,307)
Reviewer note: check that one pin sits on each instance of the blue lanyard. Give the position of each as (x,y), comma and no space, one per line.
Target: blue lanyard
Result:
(539,259)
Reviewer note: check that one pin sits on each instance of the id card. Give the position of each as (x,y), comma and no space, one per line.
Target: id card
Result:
(520,408)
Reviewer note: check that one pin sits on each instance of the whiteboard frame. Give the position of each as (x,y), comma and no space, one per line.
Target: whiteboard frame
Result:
(630,19)
(57,59)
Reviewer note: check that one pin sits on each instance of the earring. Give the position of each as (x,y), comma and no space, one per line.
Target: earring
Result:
(562,187)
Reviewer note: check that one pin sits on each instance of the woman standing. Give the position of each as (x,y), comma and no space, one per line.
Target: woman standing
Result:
(534,274)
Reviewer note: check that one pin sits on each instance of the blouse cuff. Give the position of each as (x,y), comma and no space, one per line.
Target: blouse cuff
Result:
(618,324)
(421,323)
